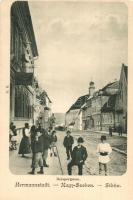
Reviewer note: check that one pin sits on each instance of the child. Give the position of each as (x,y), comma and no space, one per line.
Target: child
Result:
(103,150)
(68,142)
(37,150)
(79,155)
(14,138)
(53,141)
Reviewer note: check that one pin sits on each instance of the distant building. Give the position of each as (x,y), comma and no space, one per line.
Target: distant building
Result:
(121,100)
(43,108)
(23,52)
(74,116)
(88,122)
(98,112)
(108,113)
(102,109)
(108,109)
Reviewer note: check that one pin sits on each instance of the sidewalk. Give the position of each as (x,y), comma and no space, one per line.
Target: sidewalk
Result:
(118,143)
(113,133)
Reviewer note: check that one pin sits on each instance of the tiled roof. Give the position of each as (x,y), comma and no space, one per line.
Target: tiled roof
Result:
(110,105)
(80,101)
(113,85)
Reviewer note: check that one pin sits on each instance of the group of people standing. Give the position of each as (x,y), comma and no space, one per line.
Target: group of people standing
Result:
(38,140)
(78,154)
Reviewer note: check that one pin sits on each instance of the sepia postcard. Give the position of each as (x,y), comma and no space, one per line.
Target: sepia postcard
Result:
(66,99)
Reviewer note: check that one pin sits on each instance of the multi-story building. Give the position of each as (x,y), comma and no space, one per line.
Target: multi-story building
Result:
(23,51)
(97,113)
(102,109)
(121,100)
(75,116)
(42,106)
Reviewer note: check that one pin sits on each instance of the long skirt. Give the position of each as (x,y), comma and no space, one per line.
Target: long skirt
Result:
(24,147)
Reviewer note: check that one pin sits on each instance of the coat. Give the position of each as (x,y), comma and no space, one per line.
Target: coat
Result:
(53,138)
(79,154)
(46,140)
(37,145)
(68,141)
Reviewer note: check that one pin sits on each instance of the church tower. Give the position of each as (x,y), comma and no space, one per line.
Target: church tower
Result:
(91,88)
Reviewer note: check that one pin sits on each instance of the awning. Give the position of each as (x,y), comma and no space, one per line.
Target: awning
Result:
(23,78)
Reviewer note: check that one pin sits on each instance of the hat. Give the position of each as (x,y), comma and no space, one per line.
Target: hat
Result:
(80,140)
(68,131)
(103,137)
(53,132)
(26,125)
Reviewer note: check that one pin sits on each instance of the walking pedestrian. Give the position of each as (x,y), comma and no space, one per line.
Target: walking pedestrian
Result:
(79,155)
(37,149)
(24,147)
(46,146)
(120,130)
(68,142)
(53,142)
(32,138)
(103,150)
(110,131)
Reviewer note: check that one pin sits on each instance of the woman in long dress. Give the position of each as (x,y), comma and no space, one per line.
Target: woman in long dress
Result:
(24,147)
(103,150)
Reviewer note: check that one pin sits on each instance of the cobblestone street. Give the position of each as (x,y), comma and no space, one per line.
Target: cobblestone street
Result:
(117,165)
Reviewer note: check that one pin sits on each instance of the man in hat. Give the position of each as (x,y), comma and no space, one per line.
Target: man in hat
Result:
(68,142)
(79,155)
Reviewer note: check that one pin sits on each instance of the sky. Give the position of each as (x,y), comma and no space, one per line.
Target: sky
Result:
(78,42)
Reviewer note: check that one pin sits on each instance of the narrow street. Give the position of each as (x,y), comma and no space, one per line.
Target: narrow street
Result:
(117,165)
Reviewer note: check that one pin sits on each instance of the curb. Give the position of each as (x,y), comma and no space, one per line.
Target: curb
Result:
(125,136)
(119,151)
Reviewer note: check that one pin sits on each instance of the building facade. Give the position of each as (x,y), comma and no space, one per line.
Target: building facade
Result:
(42,105)
(23,52)
(98,112)
(121,100)
(102,109)
(75,116)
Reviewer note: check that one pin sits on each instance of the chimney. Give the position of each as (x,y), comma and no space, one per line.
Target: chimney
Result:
(91,88)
